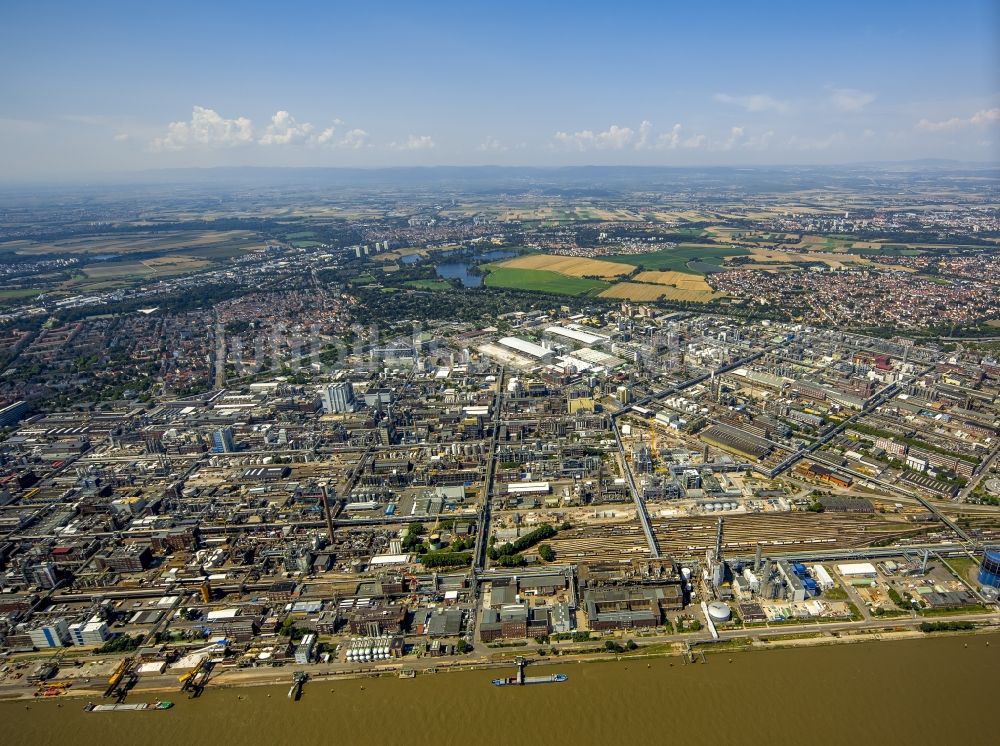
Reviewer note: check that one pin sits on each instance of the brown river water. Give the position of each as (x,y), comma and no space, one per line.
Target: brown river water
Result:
(929,691)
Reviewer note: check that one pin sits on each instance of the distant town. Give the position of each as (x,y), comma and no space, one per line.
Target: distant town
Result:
(418,427)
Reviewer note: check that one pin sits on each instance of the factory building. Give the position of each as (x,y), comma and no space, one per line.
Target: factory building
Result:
(338,398)
(795,589)
(736,441)
(92,633)
(305,649)
(858,570)
(52,635)
(822,577)
(12,413)
(629,608)
(222,441)
(513,622)
(525,347)
(379,620)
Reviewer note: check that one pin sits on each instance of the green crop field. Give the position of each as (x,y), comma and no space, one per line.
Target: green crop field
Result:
(429,284)
(677,258)
(543,281)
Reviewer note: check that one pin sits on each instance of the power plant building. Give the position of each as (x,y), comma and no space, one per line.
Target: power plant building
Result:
(989,568)
(338,398)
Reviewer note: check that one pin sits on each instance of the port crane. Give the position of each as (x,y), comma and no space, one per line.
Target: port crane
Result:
(121,678)
(196,679)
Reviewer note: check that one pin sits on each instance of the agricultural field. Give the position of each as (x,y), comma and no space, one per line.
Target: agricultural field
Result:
(205,244)
(570,265)
(767,259)
(681,280)
(542,281)
(640,291)
(429,284)
(163,266)
(14,293)
(566,215)
(677,259)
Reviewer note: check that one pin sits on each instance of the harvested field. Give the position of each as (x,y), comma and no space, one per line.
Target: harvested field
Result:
(162,266)
(574,266)
(197,243)
(638,291)
(681,280)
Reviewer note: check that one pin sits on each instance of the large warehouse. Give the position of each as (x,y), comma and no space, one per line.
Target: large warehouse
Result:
(526,348)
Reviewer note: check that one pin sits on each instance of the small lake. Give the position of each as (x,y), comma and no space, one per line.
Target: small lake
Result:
(465,271)
(461,271)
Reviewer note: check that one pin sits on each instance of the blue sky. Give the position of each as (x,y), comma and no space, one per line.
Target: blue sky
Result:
(92,87)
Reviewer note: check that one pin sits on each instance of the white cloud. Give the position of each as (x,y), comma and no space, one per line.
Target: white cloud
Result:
(121,137)
(414,142)
(614,138)
(206,128)
(695,141)
(755,102)
(985,116)
(645,128)
(734,139)
(979,119)
(284,130)
(491,145)
(617,138)
(354,139)
(326,136)
(673,139)
(850,99)
(670,139)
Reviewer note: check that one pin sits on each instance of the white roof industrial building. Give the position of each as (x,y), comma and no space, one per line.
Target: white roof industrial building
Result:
(525,347)
(860,569)
(577,336)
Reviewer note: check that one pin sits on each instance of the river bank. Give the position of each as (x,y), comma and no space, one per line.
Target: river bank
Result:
(928,690)
(165,685)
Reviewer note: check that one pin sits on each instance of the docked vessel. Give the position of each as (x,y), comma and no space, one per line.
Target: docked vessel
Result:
(515,681)
(522,680)
(162,704)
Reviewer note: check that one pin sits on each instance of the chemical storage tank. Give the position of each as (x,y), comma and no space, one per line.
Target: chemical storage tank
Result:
(989,568)
(719,612)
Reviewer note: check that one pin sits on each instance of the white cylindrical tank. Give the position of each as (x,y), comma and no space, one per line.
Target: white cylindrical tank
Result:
(719,612)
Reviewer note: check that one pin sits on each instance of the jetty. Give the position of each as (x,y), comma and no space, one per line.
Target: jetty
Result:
(521,680)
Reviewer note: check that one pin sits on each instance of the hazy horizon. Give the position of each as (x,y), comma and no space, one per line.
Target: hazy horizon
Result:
(111,87)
